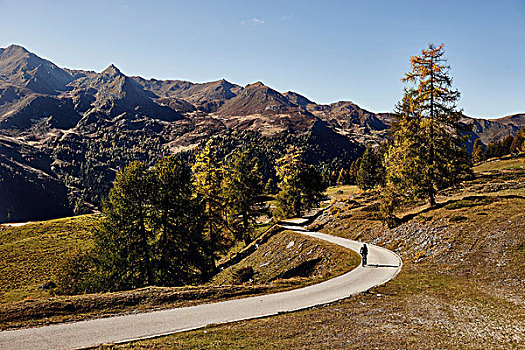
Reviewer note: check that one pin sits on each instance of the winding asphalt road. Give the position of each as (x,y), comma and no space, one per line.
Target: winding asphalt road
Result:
(383,266)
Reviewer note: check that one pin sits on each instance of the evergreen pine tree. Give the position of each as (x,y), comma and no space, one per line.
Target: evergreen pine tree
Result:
(370,173)
(208,175)
(518,143)
(301,186)
(500,148)
(506,145)
(242,189)
(478,152)
(181,251)
(122,244)
(427,150)
(151,233)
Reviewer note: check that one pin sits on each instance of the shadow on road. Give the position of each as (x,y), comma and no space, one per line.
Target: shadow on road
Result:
(379,265)
(294,228)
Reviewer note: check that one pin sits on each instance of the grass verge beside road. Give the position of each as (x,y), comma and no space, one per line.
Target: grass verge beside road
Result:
(285,269)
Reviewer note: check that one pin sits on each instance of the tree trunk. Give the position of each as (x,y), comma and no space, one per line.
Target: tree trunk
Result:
(145,247)
(246,233)
(431,192)
(431,200)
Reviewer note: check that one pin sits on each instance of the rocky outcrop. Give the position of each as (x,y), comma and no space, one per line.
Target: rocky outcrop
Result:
(25,69)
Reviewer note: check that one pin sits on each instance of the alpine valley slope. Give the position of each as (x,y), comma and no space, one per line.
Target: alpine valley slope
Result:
(67,131)
(384,265)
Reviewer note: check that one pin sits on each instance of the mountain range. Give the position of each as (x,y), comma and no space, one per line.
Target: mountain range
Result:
(65,132)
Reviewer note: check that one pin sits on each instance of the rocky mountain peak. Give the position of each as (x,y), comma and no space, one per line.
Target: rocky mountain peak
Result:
(344,105)
(256,98)
(25,69)
(297,99)
(14,53)
(13,50)
(112,71)
(257,84)
(222,84)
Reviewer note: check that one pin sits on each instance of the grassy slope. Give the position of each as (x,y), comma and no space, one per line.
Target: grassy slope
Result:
(287,250)
(339,192)
(461,286)
(501,164)
(30,254)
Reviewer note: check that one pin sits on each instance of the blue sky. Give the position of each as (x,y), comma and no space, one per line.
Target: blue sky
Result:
(326,50)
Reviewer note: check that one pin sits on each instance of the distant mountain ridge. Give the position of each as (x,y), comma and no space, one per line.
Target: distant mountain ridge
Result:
(87,124)
(25,69)
(77,93)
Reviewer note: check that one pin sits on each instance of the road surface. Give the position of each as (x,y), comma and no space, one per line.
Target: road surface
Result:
(383,266)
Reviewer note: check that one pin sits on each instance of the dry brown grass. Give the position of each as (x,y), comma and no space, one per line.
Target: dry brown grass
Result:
(414,311)
(31,254)
(461,286)
(285,252)
(269,278)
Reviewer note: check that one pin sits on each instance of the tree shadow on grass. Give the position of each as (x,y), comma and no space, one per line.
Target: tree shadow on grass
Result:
(477,200)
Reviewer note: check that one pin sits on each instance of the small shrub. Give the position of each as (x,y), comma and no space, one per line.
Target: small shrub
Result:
(77,275)
(243,275)
(458,218)
(372,207)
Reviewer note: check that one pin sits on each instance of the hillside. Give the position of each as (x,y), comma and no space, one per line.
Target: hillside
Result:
(28,188)
(33,254)
(461,286)
(495,129)
(88,124)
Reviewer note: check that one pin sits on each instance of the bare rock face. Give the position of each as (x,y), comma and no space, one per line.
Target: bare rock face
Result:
(206,97)
(297,99)
(349,116)
(22,68)
(114,93)
(495,129)
(257,98)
